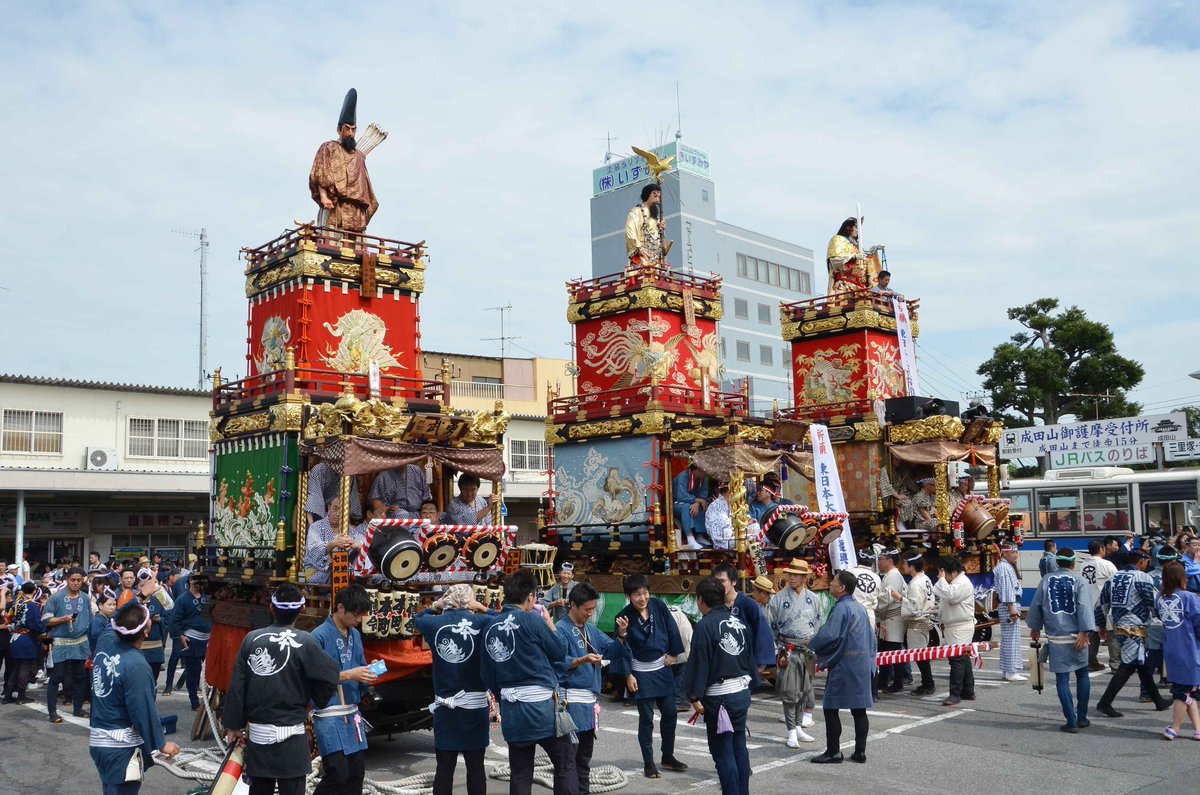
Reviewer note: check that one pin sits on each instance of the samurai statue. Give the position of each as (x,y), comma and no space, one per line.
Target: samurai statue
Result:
(339,182)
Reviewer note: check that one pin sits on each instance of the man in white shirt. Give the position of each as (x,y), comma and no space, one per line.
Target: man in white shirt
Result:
(956,614)
(1095,571)
(718,520)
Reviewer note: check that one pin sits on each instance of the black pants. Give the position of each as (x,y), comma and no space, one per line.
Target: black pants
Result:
(1093,649)
(341,774)
(172,662)
(962,678)
(667,719)
(562,755)
(5,639)
(287,786)
(443,777)
(191,670)
(71,670)
(17,678)
(890,676)
(583,760)
(833,731)
(1124,671)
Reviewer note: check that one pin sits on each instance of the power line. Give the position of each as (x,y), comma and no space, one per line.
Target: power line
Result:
(932,359)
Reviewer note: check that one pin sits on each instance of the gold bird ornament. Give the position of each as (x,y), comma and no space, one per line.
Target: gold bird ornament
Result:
(658,166)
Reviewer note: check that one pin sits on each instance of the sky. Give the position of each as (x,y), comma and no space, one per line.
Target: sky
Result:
(1003,152)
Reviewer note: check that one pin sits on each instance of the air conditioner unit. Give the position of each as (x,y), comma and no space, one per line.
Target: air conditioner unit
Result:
(101,459)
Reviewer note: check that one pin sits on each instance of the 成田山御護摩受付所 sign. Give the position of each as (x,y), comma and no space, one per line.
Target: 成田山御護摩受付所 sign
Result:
(1092,435)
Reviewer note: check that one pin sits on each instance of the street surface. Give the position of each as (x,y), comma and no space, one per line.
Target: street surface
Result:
(1005,741)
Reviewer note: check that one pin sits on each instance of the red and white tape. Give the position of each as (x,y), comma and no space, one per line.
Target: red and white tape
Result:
(931,653)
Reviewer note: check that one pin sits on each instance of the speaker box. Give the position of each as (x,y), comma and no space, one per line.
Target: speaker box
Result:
(903,409)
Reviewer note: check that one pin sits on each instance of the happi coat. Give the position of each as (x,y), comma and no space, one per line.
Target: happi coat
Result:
(124,718)
(1061,608)
(650,640)
(520,651)
(279,670)
(460,707)
(581,685)
(341,727)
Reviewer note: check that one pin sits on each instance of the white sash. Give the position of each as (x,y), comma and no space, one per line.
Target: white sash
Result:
(653,665)
(580,695)
(735,685)
(529,694)
(114,738)
(267,734)
(476,699)
(336,711)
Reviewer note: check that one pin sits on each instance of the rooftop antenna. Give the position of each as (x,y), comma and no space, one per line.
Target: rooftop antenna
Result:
(608,152)
(678,115)
(502,339)
(203,249)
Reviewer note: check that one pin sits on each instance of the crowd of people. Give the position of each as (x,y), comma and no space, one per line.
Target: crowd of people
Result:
(540,661)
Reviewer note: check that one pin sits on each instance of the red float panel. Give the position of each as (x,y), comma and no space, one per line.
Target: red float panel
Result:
(624,350)
(334,328)
(844,368)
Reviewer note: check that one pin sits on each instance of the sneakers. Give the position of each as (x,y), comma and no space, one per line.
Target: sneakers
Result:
(1169,733)
(804,736)
(1069,729)
(1016,678)
(792,741)
(807,720)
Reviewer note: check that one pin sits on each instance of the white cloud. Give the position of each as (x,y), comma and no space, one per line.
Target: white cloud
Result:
(1003,153)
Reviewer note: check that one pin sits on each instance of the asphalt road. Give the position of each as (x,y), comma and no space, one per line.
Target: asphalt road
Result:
(1005,741)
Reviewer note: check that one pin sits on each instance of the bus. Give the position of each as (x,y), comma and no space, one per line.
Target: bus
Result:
(1075,506)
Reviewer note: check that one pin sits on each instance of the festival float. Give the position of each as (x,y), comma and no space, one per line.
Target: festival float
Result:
(650,404)
(334,377)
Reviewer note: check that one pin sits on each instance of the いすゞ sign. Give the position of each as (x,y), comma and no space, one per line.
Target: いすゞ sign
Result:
(1112,456)
(1096,435)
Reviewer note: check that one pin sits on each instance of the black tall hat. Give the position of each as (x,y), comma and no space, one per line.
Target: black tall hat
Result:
(349,106)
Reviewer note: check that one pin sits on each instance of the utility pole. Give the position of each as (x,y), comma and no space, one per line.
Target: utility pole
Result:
(203,249)
(502,339)
(1107,397)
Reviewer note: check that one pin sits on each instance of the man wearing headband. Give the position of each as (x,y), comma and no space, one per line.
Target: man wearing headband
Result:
(1062,606)
(1154,630)
(278,671)
(157,599)
(555,599)
(1095,569)
(1130,596)
(1008,594)
(689,492)
(956,613)
(916,608)
(795,614)
(67,615)
(891,623)
(579,673)
(765,498)
(521,649)
(125,726)
(26,627)
(194,630)
(920,512)
(339,727)
(453,627)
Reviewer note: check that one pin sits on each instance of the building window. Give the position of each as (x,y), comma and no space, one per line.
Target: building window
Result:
(704,194)
(764,314)
(28,431)
(723,353)
(167,438)
(743,351)
(774,274)
(484,379)
(766,355)
(741,309)
(528,455)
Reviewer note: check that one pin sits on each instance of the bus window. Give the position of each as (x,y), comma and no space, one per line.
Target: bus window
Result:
(1106,510)
(1058,510)
(1020,504)
(1167,517)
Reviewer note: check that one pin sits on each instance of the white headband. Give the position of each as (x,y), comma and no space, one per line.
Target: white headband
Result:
(137,630)
(287,605)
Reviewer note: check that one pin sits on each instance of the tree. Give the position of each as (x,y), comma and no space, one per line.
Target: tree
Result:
(1057,366)
(1193,420)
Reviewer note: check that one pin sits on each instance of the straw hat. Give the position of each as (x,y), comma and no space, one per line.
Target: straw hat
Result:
(797,566)
(763,583)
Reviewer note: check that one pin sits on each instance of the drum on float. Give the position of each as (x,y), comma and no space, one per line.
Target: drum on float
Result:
(786,530)
(829,530)
(395,553)
(976,521)
(441,549)
(482,550)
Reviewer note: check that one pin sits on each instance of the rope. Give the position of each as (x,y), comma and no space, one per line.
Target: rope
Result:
(604,778)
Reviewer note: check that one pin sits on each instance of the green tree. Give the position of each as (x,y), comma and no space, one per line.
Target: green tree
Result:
(1193,420)
(1053,367)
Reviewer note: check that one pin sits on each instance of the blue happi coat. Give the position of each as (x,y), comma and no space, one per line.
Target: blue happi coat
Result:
(1062,608)
(152,646)
(100,626)
(69,639)
(345,733)
(1129,595)
(187,620)
(456,639)
(845,646)
(28,618)
(1154,630)
(520,650)
(582,641)
(763,641)
(1180,614)
(648,639)
(722,649)
(122,698)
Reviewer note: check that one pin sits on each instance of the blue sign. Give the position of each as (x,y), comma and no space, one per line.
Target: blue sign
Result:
(633,169)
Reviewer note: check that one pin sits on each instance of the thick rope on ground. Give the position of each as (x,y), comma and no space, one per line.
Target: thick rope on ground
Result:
(603,778)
